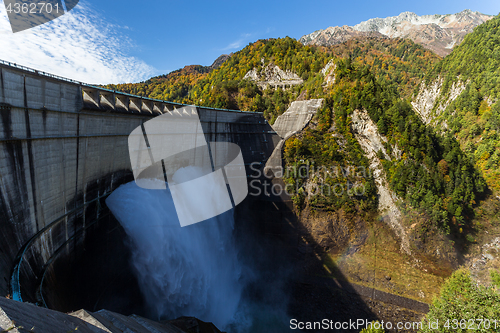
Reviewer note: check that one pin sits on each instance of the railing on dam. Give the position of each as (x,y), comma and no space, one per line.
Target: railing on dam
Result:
(63,149)
(95,96)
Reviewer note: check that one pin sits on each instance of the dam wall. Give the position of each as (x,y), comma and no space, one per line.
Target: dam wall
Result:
(63,150)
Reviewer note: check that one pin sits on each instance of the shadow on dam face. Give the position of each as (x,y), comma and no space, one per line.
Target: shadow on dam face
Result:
(93,273)
(92,270)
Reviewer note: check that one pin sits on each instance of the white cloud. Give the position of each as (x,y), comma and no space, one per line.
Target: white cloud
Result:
(79,45)
(238,43)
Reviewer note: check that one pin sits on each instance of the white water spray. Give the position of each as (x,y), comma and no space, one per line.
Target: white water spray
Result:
(189,271)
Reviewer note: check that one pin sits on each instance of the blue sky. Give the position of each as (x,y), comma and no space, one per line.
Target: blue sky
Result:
(199,31)
(141,39)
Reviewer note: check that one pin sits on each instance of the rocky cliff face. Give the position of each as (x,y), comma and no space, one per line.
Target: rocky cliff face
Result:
(329,73)
(371,142)
(430,102)
(272,75)
(439,33)
(294,120)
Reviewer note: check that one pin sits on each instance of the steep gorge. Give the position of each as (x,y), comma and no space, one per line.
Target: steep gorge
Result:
(414,221)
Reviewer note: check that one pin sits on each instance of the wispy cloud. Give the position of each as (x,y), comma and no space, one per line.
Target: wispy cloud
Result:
(247,38)
(238,43)
(79,45)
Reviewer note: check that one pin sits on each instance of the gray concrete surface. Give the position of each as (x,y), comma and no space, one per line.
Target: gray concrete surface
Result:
(294,120)
(296,117)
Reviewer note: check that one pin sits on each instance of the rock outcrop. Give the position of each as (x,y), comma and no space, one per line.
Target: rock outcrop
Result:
(430,102)
(220,60)
(336,35)
(272,75)
(19,317)
(329,72)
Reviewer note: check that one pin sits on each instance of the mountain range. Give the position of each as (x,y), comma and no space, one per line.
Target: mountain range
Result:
(439,33)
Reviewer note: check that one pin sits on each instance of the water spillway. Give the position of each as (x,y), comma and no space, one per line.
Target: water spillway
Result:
(180,270)
(63,150)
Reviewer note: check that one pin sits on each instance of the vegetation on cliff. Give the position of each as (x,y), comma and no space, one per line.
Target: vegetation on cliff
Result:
(429,172)
(432,174)
(398,63)
(474,117)
(464,305)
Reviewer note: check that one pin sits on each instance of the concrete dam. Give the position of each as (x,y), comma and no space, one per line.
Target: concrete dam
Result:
(64,151)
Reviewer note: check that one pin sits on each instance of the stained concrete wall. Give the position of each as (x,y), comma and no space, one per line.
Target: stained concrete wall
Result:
(63,149)
(294,120)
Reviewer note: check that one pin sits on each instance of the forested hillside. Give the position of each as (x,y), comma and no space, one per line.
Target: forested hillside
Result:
(375,74)
(401,63)
(432,174)
(172,86)
(474,117)
(438,172)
